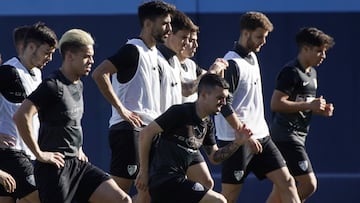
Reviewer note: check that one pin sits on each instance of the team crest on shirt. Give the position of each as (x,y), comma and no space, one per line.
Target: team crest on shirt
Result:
(199,132)
(303,165)
(132,169)
(238,175)
(198,187)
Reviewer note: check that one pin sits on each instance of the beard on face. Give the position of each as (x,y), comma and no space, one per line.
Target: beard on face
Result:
(250,46)
(159,36)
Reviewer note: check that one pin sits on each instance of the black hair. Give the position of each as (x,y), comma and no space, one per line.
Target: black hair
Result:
(180,21)
(209,81)
(153,9)
(252,20)
(19,34)
(313,37)
(41,34)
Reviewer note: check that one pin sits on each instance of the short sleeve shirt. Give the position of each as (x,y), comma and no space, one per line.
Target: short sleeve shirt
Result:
(183,134)
(60,108)
(299,86)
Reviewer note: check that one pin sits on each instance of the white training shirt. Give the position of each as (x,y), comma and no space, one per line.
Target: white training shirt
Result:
(8,109)
(189,76)
(170,87)
(247,101)
(142,93)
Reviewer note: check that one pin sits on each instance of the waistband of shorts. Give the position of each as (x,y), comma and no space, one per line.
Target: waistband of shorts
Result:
(264,139)
(11,149)
(193,151)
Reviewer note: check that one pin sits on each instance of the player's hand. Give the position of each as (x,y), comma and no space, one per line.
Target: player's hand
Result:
(55,158)
(318,104)
(218,67)
(242,135)
(7,141)
(131,117)
(329,110)
(255,145)
(82,156)
(141,181)
(7,181)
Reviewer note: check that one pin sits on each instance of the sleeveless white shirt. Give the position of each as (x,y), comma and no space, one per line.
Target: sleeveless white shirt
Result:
(8,109)
(142,93)
(170,87)
(189,76)
(247,100)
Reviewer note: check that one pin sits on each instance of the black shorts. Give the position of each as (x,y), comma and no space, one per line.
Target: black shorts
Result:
(77,180)
(20,167)
(177,190)
(296,158)
(242,162)
(123,141)
(197,158)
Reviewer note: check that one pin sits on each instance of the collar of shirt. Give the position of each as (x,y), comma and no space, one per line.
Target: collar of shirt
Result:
(165,51)
(298,64)
(244,53)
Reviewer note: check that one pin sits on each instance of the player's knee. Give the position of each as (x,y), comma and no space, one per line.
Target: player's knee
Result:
(32,197)
(231,194)
(306,189)
(286,184)
(313,183)
(312,186)
(212,196)
(231,197)
(126,199)
(219,198)
(209,183)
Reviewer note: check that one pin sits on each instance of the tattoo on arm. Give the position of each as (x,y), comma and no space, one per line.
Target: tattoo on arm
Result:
(225,152)
(190,87)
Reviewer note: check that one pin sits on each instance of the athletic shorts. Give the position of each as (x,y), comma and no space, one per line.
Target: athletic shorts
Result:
(242,162)
(123,141)
(296,158)
(177,190)
(77,180)
(197,158)
(20,167)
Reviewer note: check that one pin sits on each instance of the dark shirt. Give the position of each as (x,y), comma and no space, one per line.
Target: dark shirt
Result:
(60,108)
(183,134)
(299,86)
(126,62)
(11,86)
